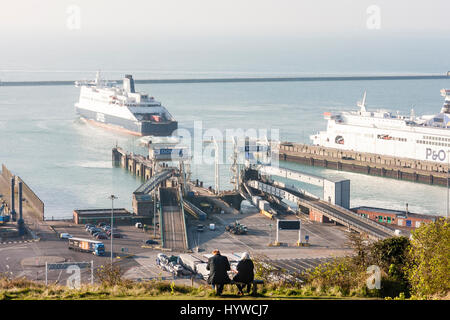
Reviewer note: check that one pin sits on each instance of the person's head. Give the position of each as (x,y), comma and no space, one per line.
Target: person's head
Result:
(245,255)
(216,251)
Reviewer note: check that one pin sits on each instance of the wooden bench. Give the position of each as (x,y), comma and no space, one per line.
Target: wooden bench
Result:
(254,286)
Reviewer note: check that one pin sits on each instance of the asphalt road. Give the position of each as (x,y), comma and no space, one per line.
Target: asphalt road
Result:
(174,235)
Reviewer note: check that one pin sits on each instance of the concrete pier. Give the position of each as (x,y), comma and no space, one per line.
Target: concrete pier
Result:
(367,163)
(136,164)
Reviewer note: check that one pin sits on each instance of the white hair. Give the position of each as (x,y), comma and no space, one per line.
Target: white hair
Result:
(245,255)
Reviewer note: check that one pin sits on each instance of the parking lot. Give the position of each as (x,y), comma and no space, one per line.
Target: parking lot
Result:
(325,240)
(138,261)
(131,240)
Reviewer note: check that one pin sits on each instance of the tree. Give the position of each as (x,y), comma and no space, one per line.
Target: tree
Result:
(391,256)
(361,247)
(429,254)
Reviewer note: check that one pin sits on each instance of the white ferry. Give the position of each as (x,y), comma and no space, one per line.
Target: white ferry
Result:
(381,132)
(111,106)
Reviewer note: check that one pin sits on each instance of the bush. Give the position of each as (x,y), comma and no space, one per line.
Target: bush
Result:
(429,253)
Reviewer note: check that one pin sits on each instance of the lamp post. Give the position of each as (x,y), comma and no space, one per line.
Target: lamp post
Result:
(112,197)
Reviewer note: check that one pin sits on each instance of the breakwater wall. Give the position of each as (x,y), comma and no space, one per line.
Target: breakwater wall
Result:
(366,163)
(238,79)
(32,199)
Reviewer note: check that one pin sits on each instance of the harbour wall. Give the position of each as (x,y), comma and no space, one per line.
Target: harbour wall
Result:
(32,199)
(254,79)
(366,163)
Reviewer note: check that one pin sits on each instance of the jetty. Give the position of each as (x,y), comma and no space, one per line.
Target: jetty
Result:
(367,163)
(246,79)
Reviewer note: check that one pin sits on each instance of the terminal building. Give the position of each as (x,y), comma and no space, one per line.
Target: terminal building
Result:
(395,217)
(121,216)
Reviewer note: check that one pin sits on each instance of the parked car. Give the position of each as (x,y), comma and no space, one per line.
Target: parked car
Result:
(101,236)
(150,241)
(101,224)
(65,236)
(88,225)
(106,227)
(94,230)
(108,232)
(138,225)
(94,234)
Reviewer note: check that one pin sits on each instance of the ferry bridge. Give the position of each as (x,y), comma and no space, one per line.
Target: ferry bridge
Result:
(160,194)
(333,209)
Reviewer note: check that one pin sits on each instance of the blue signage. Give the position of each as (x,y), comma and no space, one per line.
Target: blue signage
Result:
(165,151)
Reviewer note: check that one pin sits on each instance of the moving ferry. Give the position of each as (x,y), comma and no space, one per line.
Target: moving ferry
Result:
(122,108)
(381,132)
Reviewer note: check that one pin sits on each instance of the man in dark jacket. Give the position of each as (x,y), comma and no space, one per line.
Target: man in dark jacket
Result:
(245,273)
(218,266)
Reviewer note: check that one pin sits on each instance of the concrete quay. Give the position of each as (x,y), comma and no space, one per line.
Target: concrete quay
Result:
(367,163)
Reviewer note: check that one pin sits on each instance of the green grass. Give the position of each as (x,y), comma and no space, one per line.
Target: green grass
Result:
(23,289)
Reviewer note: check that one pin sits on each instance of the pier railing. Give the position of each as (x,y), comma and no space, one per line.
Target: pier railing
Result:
(363,219)
(180,199)
(193,209)
(161,220)
(381,234)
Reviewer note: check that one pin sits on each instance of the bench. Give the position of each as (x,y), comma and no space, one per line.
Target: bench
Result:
(255,283)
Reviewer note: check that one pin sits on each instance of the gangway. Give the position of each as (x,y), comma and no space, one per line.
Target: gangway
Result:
(154,181)
(172,219)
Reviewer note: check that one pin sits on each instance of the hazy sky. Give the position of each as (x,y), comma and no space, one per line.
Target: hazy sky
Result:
(234,17)
(253,35)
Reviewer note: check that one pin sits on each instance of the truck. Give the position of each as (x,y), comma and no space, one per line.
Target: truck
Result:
(269,213)
(236,228)
(263,205)
(3,218)
(87,245)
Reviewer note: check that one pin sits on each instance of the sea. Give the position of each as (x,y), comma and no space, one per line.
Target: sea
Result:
(67,162)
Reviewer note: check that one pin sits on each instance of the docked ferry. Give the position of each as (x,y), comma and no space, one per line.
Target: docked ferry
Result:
(121,107)
(381,132)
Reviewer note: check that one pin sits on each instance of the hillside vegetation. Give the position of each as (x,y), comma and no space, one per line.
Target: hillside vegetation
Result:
(415,268)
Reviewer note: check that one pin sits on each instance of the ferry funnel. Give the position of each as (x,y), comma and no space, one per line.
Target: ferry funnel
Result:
(128,83)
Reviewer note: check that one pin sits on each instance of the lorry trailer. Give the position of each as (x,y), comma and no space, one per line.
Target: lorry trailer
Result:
(87,245)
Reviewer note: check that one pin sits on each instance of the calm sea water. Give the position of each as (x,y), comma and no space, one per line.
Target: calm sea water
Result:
(68,162)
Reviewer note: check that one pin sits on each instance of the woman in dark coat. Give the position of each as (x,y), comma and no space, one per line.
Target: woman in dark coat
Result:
(245,274)
(218,266)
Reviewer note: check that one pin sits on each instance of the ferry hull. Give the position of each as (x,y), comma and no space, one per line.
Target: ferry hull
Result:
(139,128)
